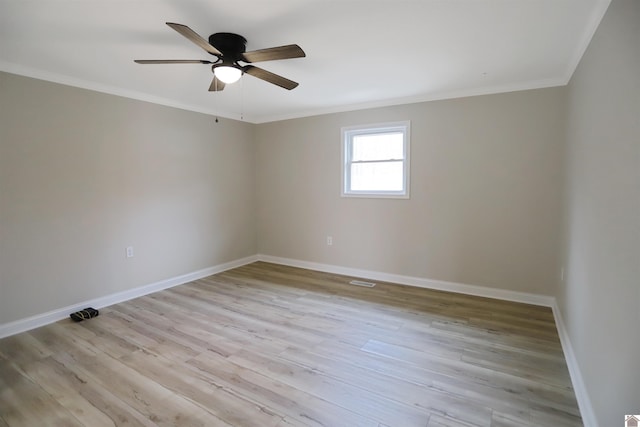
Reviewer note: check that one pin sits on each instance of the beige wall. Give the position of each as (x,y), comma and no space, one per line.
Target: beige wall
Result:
(83,175)
(485,193)
(600,297)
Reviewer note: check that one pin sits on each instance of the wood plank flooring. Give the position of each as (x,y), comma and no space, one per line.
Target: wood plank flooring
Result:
(268,345)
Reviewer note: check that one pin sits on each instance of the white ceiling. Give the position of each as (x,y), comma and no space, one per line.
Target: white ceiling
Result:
(360,53)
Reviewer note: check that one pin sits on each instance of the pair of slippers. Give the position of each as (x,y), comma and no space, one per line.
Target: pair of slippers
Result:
(81,315)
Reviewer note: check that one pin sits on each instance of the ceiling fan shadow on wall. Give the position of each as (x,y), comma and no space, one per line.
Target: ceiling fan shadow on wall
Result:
(229,50)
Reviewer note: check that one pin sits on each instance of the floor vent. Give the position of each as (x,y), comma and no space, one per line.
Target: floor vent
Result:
(361,283)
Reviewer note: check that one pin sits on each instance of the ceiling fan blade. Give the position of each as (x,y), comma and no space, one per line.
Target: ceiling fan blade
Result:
(171,61)
(194,37)
(216,85)
(273,53)
(270,77)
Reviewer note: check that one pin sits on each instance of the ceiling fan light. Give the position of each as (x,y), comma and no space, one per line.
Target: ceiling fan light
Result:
(227,74)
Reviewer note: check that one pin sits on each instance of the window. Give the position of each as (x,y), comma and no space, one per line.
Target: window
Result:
(376,160)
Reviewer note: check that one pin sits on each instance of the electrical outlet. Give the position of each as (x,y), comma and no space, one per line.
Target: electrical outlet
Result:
(562,274)
(329,240)
(129,251)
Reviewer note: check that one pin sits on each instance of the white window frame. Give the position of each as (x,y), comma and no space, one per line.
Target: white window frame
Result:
(349,132)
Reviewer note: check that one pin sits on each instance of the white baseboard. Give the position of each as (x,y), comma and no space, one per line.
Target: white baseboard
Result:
(441,285)
(584,402)
(38,320)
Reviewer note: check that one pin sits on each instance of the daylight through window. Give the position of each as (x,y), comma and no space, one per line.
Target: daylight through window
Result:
(376,160)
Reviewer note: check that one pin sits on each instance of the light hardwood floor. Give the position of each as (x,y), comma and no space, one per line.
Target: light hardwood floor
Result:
(268,345)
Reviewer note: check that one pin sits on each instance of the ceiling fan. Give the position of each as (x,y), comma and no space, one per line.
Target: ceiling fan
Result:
(230,49)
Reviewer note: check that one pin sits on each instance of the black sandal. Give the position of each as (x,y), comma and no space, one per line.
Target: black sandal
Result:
(87,313)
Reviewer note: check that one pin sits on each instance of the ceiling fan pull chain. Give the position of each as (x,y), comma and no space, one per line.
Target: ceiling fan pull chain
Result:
(216,99)
(242,100)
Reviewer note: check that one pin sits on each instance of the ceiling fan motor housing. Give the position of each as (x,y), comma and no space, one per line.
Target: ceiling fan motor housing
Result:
(231,45)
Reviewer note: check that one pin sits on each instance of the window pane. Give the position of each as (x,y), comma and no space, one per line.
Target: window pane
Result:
(385,176)
(380,146)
